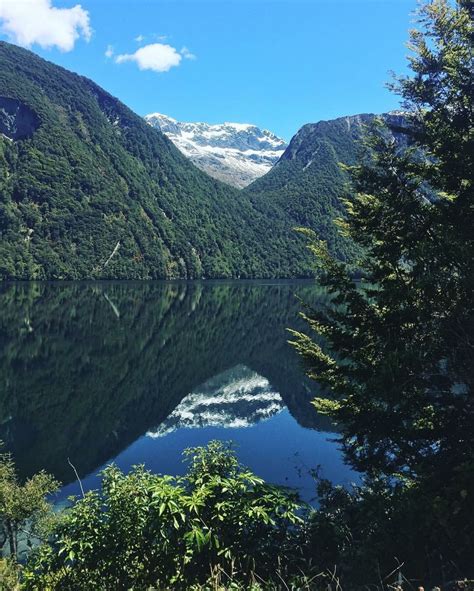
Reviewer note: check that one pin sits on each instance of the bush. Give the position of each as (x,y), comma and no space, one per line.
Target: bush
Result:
(143,530)
(9,575)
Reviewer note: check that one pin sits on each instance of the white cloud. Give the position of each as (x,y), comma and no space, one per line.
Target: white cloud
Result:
(140,38)
(156,56)
(29,22)
(109,52)
(187,54)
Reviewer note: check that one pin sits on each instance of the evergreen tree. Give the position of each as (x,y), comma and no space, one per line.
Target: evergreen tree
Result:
(395,350)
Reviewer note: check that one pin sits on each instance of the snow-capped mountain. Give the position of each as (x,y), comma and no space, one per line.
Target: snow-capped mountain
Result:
(236,153)
(238,397)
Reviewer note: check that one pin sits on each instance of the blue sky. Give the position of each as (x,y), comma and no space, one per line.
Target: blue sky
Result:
(276,63)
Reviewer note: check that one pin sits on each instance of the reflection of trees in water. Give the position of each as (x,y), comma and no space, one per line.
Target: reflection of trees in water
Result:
(88,368)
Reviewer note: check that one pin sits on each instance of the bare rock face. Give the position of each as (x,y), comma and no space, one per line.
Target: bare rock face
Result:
(17,121)
(235,153)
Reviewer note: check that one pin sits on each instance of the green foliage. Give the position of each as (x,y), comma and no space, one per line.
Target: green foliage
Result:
(397,355)
(387,526)
(304,189)
(95,192)
(220,527)
(9,575)
(23,507)
(145,530)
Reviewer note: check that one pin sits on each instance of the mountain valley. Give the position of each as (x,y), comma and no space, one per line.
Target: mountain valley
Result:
(89,190)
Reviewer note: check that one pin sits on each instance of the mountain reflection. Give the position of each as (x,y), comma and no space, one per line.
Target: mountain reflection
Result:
(236,398)
(87,368)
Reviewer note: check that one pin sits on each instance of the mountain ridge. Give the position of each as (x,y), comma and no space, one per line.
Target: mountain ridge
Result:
(89,190)
(235,153)
(95,192)
(307,186)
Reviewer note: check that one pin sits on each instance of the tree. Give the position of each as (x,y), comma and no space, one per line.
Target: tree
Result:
(395,351)
(22,506)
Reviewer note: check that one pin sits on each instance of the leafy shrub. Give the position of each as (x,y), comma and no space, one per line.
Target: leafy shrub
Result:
(23,506)
(9,575)
(143,530)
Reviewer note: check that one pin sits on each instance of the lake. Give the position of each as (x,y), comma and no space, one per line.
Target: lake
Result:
(135,372)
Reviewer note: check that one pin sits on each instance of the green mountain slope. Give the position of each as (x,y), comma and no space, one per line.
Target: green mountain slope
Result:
(89,190)
(305,187)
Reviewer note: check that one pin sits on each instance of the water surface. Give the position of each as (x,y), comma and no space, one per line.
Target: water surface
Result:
(136,372)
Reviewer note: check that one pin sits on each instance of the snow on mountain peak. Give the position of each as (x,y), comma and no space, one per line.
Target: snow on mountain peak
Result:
(236,153)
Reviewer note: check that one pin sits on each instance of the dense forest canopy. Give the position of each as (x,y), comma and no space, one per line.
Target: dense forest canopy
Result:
(307,187)
(89,190)
(93,191)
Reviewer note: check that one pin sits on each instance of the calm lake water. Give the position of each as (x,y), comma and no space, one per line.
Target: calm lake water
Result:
(136,372)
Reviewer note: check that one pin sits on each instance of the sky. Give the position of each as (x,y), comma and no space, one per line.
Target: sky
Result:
(275,63)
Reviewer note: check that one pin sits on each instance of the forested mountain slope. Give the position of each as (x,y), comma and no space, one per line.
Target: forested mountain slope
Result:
(306,186)
(89,190)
